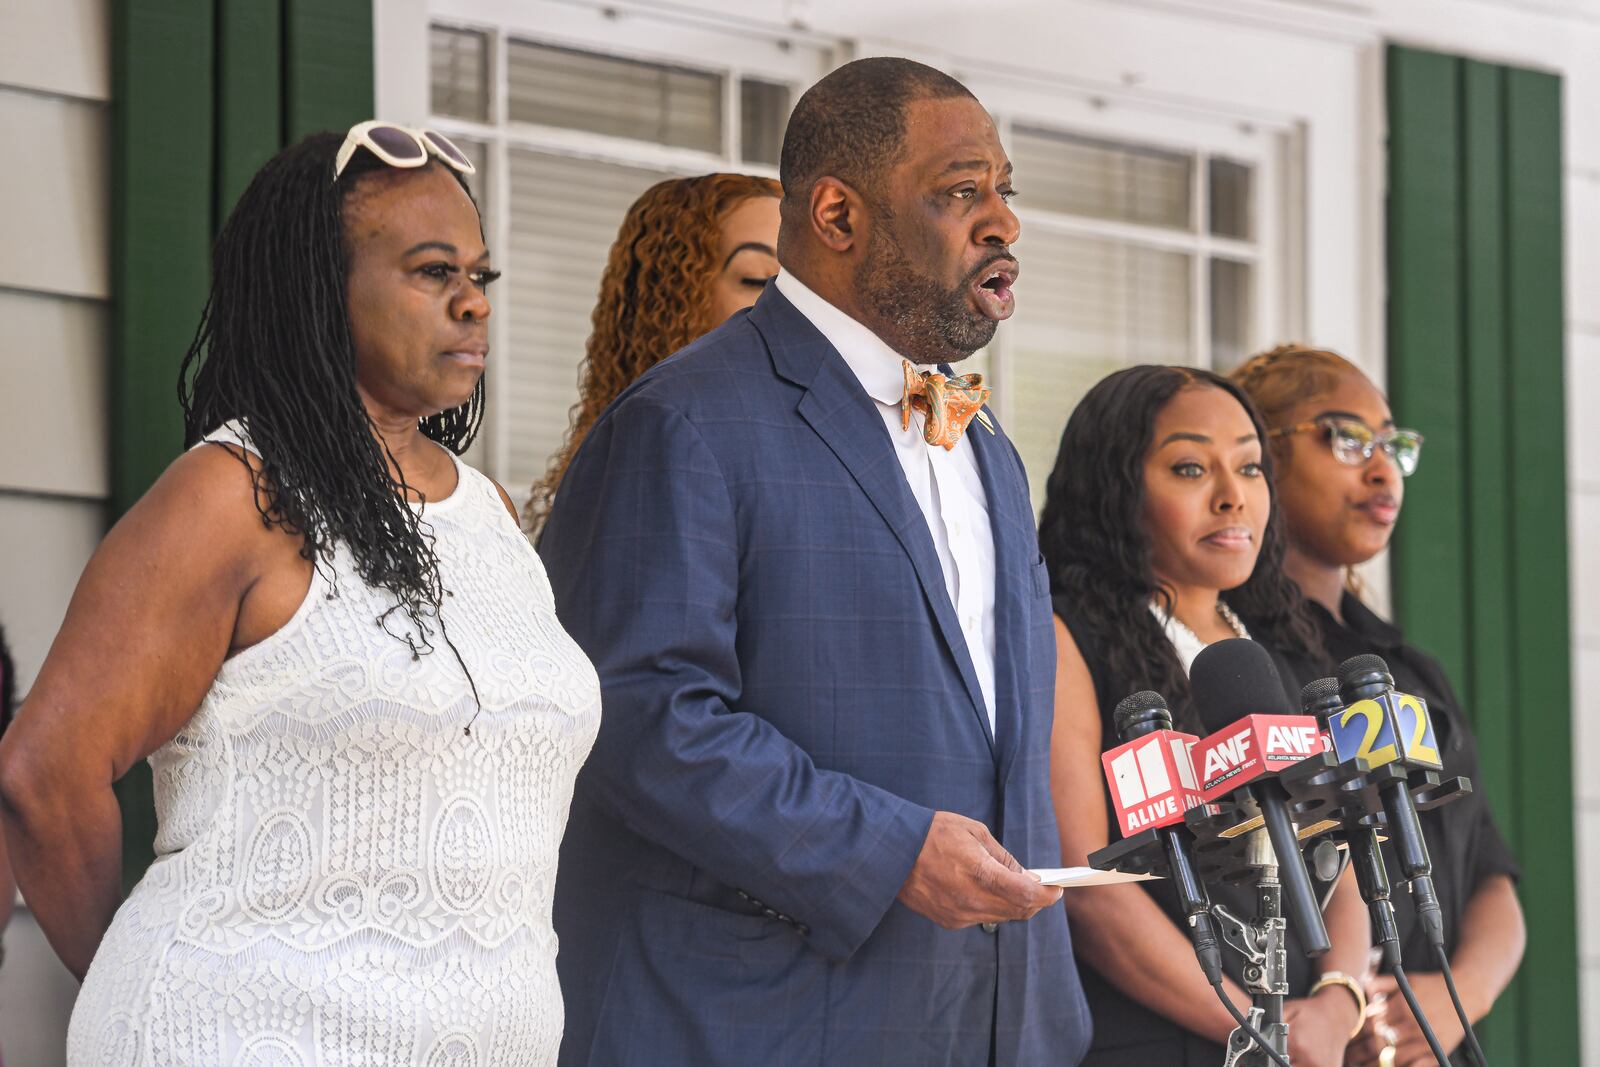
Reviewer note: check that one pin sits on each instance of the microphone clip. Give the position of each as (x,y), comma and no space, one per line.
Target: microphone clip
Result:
(1242,1048)
(1266,961)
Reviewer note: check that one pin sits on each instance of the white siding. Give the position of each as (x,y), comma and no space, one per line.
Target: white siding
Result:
(55,76)
(60,47)
(54,208)
(53,438)
(1583,524)
(44,544)
(36,993)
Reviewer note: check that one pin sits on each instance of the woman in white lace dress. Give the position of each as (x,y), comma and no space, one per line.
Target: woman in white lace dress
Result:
(340,656)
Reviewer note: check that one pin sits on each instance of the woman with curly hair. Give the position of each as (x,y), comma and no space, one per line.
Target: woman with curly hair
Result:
(691,252)
(336,649)
(1342,464)
(1161,537)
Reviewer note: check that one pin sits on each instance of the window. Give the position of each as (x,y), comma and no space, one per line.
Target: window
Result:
(1133,251)
(567,131)
(1149,236)
(652,102)
(459,73)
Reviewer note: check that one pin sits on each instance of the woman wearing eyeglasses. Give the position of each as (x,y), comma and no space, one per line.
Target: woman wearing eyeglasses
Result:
(1341,469)
(340,656)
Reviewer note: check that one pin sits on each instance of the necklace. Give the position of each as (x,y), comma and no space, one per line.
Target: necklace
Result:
(1226,613)
(1234,622)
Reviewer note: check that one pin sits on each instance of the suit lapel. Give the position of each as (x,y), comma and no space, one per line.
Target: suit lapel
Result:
(846,418)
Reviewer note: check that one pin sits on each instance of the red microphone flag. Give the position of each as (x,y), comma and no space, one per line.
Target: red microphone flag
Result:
(1254,746)
(1152,780)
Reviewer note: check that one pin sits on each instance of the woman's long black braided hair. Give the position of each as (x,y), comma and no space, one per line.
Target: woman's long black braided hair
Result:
(274,350)
(1092,536)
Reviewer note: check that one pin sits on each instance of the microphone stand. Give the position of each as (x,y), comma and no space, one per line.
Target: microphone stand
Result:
(1231,858)
(1266,970)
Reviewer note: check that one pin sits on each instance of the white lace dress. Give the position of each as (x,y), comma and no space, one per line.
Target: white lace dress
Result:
(344,878)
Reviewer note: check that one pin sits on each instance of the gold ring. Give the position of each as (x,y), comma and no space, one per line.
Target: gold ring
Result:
(1386,1057)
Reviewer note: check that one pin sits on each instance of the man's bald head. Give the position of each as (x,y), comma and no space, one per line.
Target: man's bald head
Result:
(851,125)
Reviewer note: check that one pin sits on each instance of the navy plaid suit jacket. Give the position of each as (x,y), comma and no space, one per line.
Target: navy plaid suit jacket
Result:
(787,699)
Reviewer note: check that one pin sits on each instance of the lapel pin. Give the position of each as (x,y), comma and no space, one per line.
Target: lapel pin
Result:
(983,417)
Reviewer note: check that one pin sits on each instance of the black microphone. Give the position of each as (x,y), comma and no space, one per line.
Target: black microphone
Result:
(1320,698)
(1366,687)
(1233,680)
(1137,715)
(1367,678)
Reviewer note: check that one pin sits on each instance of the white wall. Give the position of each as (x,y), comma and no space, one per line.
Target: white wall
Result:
(54,267)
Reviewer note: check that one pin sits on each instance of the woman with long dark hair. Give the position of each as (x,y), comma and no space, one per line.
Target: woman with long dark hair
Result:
(690,252)
(1342,464)
(1160,537)
(339,654)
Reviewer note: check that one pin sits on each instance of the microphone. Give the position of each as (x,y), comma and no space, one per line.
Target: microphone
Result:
(1379,724)
(1152,784)
(1367,690)
(1253,734)
(1396,729)
(1150,774)
(1320,698)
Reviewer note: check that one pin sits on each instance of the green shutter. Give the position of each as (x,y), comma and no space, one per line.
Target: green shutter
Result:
(328,78)
(204,92)
(161,100)
(249,96)
(1480,576)
(1541,641)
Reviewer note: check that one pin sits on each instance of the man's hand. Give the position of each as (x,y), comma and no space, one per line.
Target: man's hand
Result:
(1319,1026)
(1390,1022)
(963,877)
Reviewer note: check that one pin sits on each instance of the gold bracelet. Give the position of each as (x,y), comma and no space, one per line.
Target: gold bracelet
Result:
(1341,979)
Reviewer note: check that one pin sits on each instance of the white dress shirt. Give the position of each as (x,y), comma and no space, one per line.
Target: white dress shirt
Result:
(946,483)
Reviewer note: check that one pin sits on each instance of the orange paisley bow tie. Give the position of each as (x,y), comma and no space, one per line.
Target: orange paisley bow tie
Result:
(947,404)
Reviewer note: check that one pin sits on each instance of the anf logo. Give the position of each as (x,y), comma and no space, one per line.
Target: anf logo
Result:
(1140,773)
(1292,742)
(1227,755)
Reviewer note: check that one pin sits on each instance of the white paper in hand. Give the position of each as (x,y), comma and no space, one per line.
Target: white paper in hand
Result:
(1077,877)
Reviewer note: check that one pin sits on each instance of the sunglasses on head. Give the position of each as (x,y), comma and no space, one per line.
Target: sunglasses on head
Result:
(400,146)
(1353,442)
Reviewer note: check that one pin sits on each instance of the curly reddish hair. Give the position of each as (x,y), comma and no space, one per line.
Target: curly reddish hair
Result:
(655,297)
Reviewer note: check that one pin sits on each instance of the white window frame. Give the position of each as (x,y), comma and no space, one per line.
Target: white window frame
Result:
(1273,145)
(731,51)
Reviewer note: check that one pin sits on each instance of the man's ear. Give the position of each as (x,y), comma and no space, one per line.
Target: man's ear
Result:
(837,214)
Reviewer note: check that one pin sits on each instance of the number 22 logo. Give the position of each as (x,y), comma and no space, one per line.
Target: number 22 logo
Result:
(1412,716)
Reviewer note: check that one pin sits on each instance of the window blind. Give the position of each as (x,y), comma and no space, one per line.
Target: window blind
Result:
(618,97)
(1086,306)
(1101,179)
(557,255)
(458,71)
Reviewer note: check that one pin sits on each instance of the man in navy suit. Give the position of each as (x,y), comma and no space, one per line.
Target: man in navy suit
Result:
(823,634)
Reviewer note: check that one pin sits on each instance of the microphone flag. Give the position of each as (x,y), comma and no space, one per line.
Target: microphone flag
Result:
(1152,780)
(1383,729)
(1251,747)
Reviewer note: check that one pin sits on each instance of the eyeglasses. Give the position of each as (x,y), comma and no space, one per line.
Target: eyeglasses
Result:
(400,146)
(1354,442)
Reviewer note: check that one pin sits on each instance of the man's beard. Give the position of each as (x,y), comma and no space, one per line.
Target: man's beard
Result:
(917,317)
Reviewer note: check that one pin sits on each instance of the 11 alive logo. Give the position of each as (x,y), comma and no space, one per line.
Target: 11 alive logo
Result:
(1251,747)
(1151,780)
